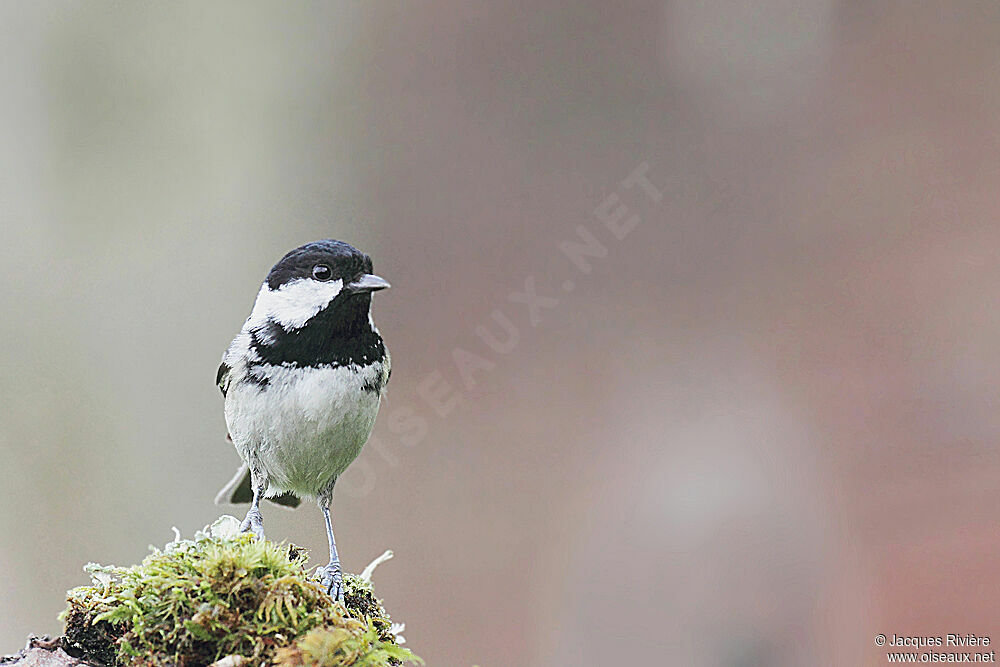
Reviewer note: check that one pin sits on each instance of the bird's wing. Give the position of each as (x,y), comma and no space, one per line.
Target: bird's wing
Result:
(234,361)
(222,377)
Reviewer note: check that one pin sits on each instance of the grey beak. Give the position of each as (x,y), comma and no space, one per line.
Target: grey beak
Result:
(366,283)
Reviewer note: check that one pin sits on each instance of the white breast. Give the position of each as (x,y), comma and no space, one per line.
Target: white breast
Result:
(306,425)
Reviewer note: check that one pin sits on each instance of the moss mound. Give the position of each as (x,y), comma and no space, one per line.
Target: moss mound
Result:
(224,596)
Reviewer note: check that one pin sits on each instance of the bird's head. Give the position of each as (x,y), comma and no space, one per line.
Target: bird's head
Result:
(330,277)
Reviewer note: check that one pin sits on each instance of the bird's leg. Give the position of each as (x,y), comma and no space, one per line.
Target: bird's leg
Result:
(254,522)
(333,576)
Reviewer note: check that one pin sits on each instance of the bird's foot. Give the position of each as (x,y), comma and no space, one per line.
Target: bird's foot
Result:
(253,523)
(333,580)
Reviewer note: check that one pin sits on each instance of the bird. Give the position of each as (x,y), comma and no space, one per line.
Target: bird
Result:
(302,384)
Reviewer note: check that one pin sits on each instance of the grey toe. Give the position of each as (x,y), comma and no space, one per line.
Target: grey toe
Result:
(333,581)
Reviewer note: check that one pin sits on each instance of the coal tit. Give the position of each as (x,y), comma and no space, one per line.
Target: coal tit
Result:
(302,383)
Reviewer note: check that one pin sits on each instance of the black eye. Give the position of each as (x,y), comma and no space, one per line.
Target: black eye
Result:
(322,272)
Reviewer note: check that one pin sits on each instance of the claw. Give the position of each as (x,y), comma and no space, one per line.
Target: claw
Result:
(253,523)
(333,581)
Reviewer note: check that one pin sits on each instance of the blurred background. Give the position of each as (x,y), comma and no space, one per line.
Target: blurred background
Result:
(759,430)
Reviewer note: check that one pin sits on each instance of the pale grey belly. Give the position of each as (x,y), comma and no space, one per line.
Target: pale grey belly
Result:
(305,428)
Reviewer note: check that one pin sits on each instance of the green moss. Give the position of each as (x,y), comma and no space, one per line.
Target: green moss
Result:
(359,645)
(226,594)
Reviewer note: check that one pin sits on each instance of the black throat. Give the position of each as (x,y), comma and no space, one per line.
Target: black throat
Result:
(339,335)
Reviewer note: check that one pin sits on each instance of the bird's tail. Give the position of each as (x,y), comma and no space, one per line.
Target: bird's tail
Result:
(238,491)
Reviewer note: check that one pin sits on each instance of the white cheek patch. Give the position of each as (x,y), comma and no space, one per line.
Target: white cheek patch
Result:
(294,303)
